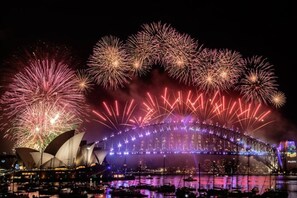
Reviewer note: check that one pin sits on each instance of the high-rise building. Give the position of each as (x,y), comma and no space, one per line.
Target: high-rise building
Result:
(288,155)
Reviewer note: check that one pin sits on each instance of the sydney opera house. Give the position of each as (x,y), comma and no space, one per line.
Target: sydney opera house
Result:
(67,152)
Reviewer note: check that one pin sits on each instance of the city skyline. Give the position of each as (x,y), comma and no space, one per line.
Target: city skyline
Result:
(267,33)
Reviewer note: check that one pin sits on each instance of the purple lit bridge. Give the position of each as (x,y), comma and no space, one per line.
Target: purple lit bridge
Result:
(189,138)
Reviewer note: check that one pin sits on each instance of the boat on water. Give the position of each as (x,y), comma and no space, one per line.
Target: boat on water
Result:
(239,193)
(217,192)
(124,192)
(190,179)
(166,188)
(185,192)
(72,192)
(145,186)
(96,190)
(148,177)
(121,176)
(275,193)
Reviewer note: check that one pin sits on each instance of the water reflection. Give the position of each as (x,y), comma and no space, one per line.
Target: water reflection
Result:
(208,181)
(288,183)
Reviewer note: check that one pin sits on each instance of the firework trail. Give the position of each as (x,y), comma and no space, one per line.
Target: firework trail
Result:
(251,117)
(109,65)
(259,81)
(153,111)
(117,116)
(209,109)
(186,106)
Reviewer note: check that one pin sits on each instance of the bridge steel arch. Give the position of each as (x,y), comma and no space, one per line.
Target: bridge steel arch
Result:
(189,137)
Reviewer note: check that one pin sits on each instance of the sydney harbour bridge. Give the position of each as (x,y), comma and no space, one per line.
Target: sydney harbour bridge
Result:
(189,138)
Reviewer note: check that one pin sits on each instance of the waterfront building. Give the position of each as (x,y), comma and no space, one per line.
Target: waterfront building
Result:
(288,156)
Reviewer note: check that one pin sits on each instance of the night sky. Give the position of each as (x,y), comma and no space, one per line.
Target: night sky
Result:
(265,29)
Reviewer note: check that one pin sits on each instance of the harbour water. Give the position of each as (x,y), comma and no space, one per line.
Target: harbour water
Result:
(262,183)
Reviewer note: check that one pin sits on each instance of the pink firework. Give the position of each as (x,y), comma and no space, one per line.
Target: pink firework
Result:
(46,81)
(179,105)
(252,117)
(259,81)
(186,106)
(155,112)
(210,109)
(116,116)
(109,65)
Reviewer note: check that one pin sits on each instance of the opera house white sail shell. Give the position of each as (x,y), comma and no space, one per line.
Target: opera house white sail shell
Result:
(64,151)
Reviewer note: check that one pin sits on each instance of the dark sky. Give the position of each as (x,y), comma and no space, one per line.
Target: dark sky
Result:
(250,27)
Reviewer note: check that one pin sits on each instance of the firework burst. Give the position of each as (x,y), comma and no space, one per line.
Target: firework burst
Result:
(84,81)
(259,81)
(109,63)
(206,76)
(159,35)
(278,99)
(45,85)
(140,50)
(180,57)
(43,81)
(47,91)
(210,70)
(229,68)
